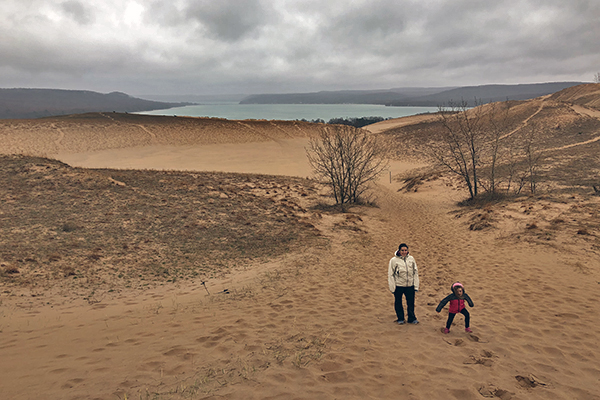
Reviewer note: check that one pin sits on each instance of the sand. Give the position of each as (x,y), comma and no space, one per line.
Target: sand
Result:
(284,157)
(320,324)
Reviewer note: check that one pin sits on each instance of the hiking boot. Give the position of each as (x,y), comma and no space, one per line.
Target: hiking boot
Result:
(468,330)
(400,322)
(446,330)
(414,322)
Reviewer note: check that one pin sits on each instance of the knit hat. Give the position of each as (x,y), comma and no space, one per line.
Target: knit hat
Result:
(457,285)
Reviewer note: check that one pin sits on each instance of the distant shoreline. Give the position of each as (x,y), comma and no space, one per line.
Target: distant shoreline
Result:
(290,112)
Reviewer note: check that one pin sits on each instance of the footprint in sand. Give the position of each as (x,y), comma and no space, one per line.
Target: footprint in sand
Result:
(473,337)
(568,316)
(530,381)
(176,351)
(152,366)
(485,358)
(58,370)
(202,339)
(71,382)
(492,391)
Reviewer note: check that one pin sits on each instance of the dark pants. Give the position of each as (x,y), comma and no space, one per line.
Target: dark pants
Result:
(409,292)
(452,315)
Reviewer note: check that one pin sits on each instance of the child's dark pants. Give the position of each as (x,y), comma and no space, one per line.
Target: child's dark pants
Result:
(452,315)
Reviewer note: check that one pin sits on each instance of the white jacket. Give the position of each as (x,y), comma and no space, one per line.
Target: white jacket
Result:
(403,272)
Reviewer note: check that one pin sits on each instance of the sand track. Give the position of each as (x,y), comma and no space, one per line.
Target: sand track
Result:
(583,111)
(142,127)
(61,135)
(525,121)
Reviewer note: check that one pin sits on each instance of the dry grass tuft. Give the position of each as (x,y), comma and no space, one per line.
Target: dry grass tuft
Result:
(481,220)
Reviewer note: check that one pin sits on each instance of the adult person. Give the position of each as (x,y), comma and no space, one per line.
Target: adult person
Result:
(403,279)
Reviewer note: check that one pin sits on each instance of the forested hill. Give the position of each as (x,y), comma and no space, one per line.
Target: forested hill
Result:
(415,96)
(35,103)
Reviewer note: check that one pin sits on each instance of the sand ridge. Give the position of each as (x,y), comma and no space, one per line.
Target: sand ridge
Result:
(102,131)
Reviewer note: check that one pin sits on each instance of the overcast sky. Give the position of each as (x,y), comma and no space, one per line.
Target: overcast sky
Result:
(279,46)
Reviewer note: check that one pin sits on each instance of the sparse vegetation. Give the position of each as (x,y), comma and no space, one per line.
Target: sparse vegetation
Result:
(471,143)
(533,157)
(356,122)
(78,227)
(347,159)
(513,147)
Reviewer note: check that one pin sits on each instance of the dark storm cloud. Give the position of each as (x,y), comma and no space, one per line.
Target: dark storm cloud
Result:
(227,20)
(294,45)
(367,24)
(78,11)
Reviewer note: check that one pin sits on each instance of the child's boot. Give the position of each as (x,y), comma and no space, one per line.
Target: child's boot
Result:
(446,330)
(468,330)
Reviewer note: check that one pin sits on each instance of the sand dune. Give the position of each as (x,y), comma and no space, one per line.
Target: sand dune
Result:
(284,157)
(319,324)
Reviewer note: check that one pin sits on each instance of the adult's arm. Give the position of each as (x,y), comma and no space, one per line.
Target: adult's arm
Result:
(391,280)
(416,275)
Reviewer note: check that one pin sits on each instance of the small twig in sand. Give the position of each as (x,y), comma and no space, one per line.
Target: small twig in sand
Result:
(204,284)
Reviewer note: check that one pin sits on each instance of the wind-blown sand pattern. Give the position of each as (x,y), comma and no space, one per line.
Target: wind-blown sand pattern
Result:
(319,323)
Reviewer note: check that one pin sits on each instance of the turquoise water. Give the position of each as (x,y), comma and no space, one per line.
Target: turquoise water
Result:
(291,111)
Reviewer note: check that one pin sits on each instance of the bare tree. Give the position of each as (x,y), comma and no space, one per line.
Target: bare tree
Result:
(472,144)
(533,156)
(512,170)
(348,159)
(462,141)
(495,150)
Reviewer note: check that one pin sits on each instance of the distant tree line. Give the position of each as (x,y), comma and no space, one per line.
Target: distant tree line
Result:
(355,122)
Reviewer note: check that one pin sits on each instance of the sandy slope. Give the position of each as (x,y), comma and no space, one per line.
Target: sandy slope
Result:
(398,122)
(284,157)
(320,325)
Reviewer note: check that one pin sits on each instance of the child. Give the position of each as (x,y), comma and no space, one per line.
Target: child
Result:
(457,305)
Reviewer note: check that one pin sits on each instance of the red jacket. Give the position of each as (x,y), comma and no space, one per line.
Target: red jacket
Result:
(456,304)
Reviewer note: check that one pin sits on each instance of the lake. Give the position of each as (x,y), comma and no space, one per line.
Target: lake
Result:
(309,112)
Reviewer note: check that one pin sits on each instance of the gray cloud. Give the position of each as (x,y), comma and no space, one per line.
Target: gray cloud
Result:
(78,11)
(204,46)
(227,20)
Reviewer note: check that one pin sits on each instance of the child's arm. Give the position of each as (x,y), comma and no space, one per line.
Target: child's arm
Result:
(469,300)
(443,303)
